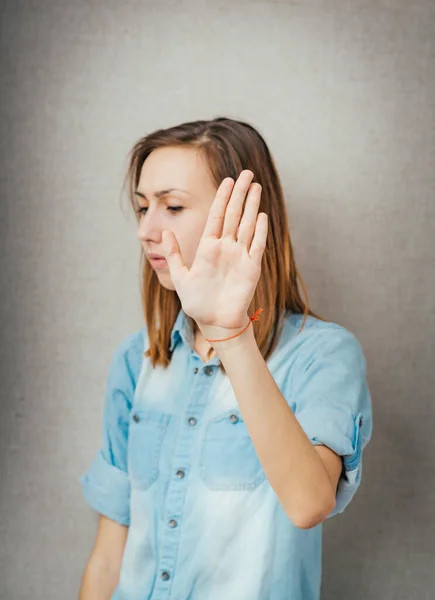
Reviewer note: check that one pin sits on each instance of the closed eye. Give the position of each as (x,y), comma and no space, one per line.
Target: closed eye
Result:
(174,209)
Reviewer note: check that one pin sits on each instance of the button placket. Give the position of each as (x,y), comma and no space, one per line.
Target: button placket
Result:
(177,488)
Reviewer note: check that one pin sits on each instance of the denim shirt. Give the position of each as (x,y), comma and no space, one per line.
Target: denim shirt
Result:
(177,465)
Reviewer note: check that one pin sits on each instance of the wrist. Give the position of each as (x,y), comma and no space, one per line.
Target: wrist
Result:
(215,333)
(237,339)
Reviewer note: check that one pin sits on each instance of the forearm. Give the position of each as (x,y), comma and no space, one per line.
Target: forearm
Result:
(99,581)
(291,464)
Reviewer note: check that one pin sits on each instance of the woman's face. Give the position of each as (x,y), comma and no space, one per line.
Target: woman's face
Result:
(175,191)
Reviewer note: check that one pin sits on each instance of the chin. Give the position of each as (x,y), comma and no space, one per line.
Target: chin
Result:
(166,282)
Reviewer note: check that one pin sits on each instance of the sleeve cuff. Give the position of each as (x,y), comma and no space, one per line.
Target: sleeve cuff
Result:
(342,434)
(107,490)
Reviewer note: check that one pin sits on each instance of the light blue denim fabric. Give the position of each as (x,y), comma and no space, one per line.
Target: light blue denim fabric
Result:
(178,466)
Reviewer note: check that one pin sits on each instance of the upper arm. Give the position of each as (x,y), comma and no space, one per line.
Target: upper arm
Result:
(332,463)
(333,406)
(109,543)
(103,569)
(106,485)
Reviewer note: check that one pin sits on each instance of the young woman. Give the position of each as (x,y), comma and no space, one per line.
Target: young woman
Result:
(235,420)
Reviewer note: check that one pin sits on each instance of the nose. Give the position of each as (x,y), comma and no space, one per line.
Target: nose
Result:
(149,227)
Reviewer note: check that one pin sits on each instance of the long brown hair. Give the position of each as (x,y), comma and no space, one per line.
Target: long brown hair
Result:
(229,147)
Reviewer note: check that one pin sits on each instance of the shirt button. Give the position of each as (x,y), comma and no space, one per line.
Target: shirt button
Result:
(208,370)
(192,421)
(180,473)
(173,523)
(234,418)
(195,370)
(165,576)
(136,418)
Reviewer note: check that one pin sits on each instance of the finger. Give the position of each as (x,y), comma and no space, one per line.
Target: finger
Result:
(249,219)
(235,205)
(259,242)
(214,224)
(173,257)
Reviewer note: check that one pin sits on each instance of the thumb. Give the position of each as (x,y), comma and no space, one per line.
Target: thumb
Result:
(172,254)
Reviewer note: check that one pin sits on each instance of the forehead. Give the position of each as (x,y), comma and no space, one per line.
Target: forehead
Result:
(175,167)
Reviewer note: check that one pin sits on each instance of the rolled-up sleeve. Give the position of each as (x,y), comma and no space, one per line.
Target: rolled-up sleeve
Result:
(106,485)
(333,403)
(107,490)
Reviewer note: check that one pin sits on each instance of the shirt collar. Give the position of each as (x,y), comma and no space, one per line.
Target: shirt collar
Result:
(180,330)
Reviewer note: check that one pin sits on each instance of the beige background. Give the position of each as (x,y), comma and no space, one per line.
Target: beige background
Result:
(344,93)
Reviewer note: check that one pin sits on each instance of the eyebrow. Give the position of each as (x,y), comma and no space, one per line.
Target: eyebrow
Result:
(160,193)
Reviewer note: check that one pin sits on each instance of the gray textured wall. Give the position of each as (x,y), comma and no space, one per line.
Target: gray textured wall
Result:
(344,93)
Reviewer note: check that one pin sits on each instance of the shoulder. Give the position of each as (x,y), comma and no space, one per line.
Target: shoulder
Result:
(127,358)
(317,340)
(132,344)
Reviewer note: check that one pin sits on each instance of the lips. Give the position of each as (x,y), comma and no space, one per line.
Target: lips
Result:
(158,262)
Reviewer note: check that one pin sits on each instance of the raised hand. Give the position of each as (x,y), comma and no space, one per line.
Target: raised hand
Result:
(218,288)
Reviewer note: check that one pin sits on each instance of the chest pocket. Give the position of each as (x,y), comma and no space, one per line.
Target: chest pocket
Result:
(145,437)
(228,458)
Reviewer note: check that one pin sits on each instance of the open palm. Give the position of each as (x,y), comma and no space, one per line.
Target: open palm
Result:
(218,288)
